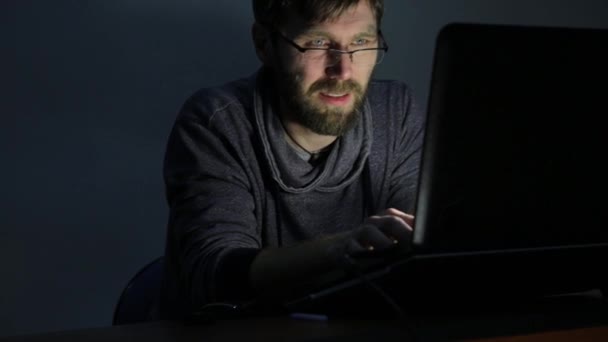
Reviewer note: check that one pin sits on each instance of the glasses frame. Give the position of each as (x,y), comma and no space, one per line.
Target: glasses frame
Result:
(332,50)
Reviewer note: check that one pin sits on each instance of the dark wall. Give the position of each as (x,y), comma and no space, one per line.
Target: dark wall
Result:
(89,91)
(88,94)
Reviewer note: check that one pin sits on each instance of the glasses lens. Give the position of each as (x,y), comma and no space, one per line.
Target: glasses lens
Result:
(314,56)
(359,58)
(368,57)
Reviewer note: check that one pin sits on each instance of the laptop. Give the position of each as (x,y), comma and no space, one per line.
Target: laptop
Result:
(514,178)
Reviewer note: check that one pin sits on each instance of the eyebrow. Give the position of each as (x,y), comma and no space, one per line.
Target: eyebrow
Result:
(372,31)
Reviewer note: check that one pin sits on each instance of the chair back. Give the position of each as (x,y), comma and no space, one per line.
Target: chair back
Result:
(139,301)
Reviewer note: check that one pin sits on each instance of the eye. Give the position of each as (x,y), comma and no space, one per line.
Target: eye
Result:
(367,42)
(317,43)
(361,41)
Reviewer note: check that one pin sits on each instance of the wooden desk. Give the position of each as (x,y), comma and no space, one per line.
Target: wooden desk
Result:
(578,318)
(282,329)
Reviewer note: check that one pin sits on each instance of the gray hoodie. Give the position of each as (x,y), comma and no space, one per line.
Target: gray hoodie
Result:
(235,185)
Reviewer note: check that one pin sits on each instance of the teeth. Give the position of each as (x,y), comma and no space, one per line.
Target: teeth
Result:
(335,95)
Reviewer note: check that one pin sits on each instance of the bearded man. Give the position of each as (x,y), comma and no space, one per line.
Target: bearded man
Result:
(272,179)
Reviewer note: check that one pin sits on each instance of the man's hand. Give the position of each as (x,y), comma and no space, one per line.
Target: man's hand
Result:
(380,232)
(388,231)
(278,269)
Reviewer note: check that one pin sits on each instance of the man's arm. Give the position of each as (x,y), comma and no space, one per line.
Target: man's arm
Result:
(211,210)
(276,270)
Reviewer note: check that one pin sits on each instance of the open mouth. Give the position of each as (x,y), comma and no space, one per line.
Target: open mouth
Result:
(334,95)
(335,98)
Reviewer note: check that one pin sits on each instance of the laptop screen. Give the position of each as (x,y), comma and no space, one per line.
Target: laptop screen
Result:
(515,151)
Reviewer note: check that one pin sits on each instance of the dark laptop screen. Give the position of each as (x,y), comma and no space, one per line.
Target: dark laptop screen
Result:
(515,155)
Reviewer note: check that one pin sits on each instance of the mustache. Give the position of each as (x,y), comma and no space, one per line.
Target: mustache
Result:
(335,86)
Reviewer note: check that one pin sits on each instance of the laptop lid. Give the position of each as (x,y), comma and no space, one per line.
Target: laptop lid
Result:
(515,150)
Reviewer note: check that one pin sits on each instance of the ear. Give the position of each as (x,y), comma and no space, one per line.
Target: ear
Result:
(262,43)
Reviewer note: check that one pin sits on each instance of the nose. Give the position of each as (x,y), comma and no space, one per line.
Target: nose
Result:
(341,66)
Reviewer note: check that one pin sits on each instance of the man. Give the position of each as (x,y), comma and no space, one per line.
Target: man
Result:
(272,180)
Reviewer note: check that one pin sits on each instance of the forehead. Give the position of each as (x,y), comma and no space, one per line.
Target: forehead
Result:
(356,19)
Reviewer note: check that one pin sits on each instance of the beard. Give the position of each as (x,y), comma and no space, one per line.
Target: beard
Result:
(320,118)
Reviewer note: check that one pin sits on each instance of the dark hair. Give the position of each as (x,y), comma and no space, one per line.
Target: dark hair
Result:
(272,13)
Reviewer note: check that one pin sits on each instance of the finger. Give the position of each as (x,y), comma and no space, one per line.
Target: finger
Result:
(355,247)
(396,228)
(393,227)
(373,238)
(409,219)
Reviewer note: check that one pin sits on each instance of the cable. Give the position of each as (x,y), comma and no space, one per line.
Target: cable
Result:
(211,312)
(354,267)
(218,305)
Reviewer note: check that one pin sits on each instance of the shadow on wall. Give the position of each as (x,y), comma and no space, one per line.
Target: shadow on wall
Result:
(90,90)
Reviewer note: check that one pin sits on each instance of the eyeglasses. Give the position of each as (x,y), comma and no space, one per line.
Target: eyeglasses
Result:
(331,57)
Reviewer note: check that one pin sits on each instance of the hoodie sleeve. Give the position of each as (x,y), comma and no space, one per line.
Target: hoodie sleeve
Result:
(212,234)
